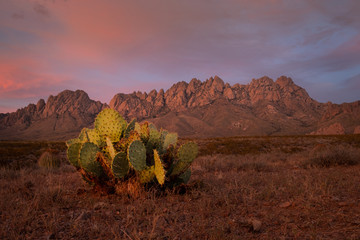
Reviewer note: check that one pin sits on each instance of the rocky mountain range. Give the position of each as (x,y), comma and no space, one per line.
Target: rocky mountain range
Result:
(210,108)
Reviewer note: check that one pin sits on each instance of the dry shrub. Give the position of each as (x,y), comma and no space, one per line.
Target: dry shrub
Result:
(49,161)
(327,156)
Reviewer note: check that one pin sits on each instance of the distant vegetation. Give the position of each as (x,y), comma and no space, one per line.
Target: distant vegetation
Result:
(292,187)
(258,145)
(22,154)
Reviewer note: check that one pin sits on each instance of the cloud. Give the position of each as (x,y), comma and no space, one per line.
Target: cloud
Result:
(129,45)
(353,83)
(41,10)
(344,91)
(23,83)
(18,15)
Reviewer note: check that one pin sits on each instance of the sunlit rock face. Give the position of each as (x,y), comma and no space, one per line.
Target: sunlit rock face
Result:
(334,129)
(196,109)
(62,115)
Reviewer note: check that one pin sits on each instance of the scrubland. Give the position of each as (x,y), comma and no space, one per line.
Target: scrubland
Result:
(290,187)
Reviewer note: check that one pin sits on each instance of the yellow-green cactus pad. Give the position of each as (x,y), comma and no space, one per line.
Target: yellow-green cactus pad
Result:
(159,168)
(147,175)
(72,141)
(83,136)
(95,138)
(110,148)
(110,123)
(130,127)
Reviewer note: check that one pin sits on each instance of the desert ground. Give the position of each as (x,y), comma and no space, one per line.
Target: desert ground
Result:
(289,187)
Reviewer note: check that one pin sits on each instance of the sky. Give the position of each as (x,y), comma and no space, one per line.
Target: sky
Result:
(106,47)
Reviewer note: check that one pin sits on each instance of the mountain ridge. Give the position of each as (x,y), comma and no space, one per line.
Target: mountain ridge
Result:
(196,109)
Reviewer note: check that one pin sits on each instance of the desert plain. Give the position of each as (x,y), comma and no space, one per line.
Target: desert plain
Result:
(277,187)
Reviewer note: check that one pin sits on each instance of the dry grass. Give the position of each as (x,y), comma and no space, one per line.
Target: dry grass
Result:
(49,161)
(328,156)
(227,194)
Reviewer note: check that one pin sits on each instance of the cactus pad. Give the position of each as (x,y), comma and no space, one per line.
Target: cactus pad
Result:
(88,155)
(163,134)
(137,155)
(137,128)
(186,154)
(144,131)
(120,165)
(83,136)
(110,148)
(72,141)
(185,177)
(73,154)
(170,139)
(94,137)
(147,175)
(154,135)
(159,169)
(110,123)
(130,127)
(152,126)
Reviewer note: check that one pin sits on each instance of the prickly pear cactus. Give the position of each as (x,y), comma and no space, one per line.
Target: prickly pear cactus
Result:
(116,152)
(186,154)
(137,155)
(159,169)
(120,165)
(88,159)
(73,153)
(110,123)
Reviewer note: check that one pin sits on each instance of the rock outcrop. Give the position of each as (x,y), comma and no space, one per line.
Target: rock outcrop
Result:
(334,129)
(59,117)
(182,96)
(196,109)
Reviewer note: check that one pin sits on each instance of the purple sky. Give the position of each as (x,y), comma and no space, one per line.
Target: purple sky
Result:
(109,46)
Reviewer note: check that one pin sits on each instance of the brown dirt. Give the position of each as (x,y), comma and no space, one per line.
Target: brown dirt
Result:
(258,194)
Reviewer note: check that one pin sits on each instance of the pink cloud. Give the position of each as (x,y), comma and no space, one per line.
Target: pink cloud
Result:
(19,81)
(119,46)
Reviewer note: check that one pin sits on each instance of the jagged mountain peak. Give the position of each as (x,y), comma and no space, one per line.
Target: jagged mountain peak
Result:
(284,81)
(59,116)
(194,109)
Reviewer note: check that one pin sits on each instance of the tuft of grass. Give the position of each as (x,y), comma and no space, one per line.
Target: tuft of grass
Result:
(25,154)
(328,156)
(49,161)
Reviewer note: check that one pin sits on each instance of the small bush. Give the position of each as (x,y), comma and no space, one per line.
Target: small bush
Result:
(49,160)
(333,156)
